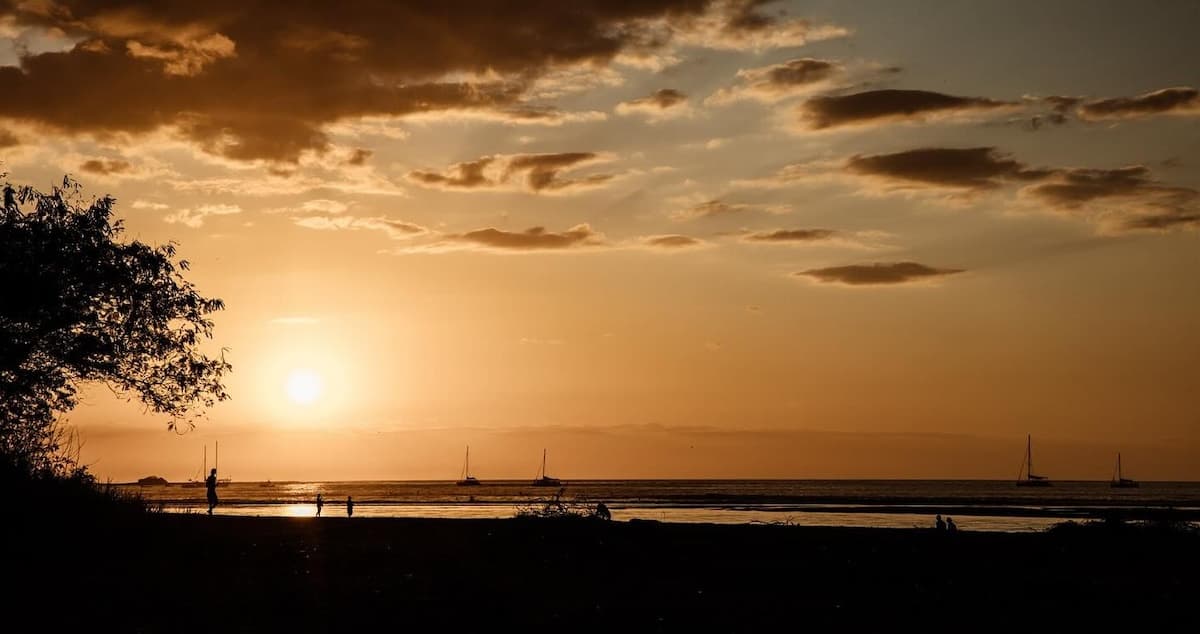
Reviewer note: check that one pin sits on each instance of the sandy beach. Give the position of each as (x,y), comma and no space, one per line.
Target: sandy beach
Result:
(170,573)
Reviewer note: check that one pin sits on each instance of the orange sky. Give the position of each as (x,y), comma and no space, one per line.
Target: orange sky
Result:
(678,239)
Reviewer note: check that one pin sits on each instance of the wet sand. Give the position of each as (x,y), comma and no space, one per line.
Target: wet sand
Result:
(170,573)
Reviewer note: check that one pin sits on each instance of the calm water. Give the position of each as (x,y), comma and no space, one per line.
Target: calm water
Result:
(976,505)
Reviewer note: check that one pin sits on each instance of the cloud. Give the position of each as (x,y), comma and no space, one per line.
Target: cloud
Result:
(778,81)
(1118,199)
(195,216)
(1122,199)
(106,167)
(535,239)
(661,104)
(359,157)
(323,205)
(740,25)
(785,236)
(717,207)
(8,139)
(878,273)
(672,241)
(146,204)
(538,173)
(967,169)
(1173,101)
(393,229)
(884,106)
(249,80)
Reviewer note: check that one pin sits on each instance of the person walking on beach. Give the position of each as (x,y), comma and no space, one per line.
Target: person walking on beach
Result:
(950,525)
(940,524)
(320,504)
(349,506)
(210,483)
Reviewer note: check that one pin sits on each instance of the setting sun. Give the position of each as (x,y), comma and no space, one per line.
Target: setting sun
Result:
(304,387)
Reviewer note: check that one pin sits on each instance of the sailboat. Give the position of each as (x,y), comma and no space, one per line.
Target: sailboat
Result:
(544,480)
(199,483)
(468,480)
(1119,481)
(1030,480)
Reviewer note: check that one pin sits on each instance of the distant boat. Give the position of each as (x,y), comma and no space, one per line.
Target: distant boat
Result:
(152,481)
(199,483)
(468,480)
(1029,479)
(544,480)
(268,483)
(1119,481)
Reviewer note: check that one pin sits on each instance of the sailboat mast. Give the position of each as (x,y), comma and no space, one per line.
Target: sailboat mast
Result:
(204,469)
(1119,476)
(1029,456)
(543,462)
(217,457)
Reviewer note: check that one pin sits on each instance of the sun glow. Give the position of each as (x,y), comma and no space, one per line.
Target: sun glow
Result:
(304,387)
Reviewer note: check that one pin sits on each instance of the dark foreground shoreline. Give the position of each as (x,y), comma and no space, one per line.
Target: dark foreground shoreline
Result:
(173,573)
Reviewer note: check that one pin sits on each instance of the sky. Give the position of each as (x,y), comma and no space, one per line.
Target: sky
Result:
(664,238)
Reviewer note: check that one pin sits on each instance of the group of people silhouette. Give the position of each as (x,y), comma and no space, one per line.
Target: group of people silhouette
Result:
(947,524)
(210,484)
(349,505)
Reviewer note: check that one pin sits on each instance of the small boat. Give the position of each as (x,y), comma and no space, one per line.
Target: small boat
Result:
(1121,482)
(544,480)
(1029,479)
(468,480)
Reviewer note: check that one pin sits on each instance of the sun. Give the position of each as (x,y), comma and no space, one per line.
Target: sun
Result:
(304,387)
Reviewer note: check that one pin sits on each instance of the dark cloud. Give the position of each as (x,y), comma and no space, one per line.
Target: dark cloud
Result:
(660,99)
(672,241)
(1128,196)
(1073,188)
(1180,100)
(879,106)
(8,139)
(359,157)
(105,167)
(877,273)
(777,81)
(978,168)
(718,207)
(539,172)
(1163,221)
(790,235)
(251,79)
(466,175)
(799,72)
(534,239)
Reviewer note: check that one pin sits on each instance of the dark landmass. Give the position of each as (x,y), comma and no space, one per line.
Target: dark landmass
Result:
(170,573)
(152,481)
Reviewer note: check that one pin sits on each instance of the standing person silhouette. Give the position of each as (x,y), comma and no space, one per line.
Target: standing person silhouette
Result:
(210,483)
(950,525)
(349,506)
(940,524)
(320,504)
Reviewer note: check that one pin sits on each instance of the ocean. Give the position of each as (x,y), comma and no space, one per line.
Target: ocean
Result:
(975,504)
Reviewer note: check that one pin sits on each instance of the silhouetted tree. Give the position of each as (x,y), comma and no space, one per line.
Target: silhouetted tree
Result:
(78,305)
